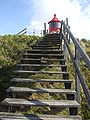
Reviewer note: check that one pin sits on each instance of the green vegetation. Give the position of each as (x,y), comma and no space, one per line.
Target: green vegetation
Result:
(10,48)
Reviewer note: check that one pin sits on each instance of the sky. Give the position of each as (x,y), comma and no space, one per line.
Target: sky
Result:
(15,15)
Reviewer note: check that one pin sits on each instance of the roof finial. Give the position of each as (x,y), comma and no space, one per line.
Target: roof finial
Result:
(54,15)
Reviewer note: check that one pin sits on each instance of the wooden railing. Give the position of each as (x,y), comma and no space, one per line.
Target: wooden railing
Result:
(66,35)
(24,31)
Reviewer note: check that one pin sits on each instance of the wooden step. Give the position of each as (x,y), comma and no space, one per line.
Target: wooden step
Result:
(46,43)
(18,116)
(43,51)
(39,90)
(50,103)
(40,80)
(49,42)
(40,72)
(44,47)
(38,54)
(40,65)
(44,59)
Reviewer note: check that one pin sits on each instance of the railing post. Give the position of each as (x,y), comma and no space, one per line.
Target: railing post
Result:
(64,47)
(69,36)
(61,29)
(44,31)
(66,34)
(77,82)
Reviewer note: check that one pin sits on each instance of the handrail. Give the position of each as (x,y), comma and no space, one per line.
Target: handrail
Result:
(78,46)
(85,89)
(82,53)
(22,31)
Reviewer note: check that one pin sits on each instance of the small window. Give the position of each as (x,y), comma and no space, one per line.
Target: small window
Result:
(52,24)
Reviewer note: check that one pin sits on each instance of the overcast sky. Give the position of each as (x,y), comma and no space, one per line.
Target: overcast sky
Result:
(18,14)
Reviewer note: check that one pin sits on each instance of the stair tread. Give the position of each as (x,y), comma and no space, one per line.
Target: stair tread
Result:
(43,59)
(43,54)
(40,72)
(38,45)
(44,46)
(39,90)
(40,80)
(52,65)
(19,116)
(50,103)
(43,50)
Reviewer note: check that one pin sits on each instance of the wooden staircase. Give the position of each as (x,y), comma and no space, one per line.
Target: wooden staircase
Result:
(42,65)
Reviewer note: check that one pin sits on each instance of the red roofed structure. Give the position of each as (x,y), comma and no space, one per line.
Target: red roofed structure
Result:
(54,25)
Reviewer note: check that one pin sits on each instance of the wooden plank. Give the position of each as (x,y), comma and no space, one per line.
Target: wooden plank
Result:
(37,54)
(43,50)
(43,45)
(37,59)
(39,90)
(18,116)
(77,82)
(50,103)
(40,72)
(40,80)
(41,65)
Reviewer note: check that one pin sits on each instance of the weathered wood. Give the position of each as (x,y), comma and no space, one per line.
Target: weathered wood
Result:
(69,35)
(38,54)
(65,52)
(40,80)
(50,103)
(18,116)
(44,46)
(82,81)
(79,48)
(35,50)
(39,90)
(77,82)
(43,51)
(37,59)
(41,72)
(39,65)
